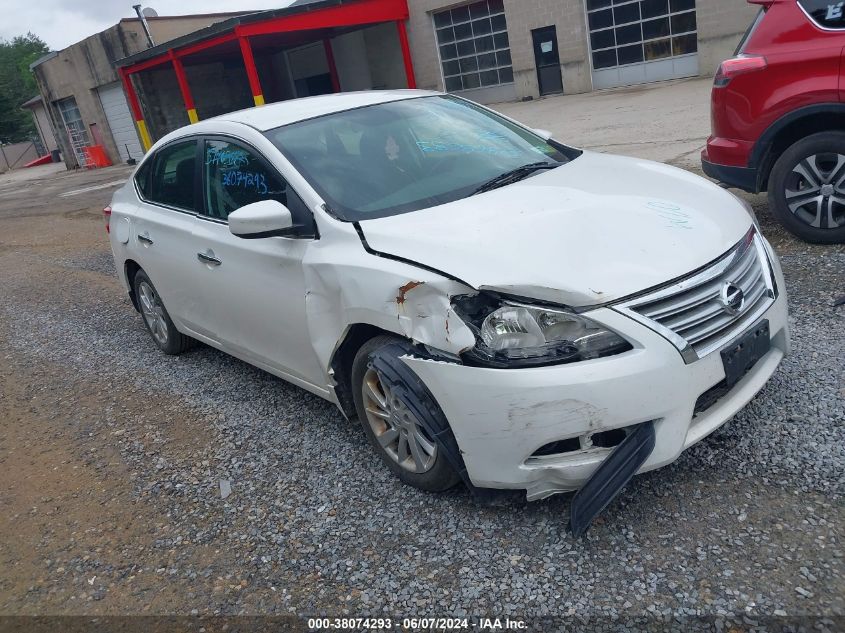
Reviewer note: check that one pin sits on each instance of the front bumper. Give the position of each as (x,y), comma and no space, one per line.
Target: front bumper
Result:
(501,417)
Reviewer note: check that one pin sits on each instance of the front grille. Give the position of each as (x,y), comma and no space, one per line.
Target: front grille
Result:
(693,314)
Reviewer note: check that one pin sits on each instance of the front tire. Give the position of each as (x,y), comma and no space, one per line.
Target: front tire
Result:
(807,188)
(164,334)
(393,430)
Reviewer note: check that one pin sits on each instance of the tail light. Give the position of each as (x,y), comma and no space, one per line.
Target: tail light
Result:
(738,66)
(107,218)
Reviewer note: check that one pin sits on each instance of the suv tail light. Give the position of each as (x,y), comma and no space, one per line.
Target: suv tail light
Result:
(107,218)
(738,66)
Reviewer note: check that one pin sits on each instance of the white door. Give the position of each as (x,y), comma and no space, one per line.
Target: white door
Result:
(120,121)
(164,228)
(633,42)
(254,289)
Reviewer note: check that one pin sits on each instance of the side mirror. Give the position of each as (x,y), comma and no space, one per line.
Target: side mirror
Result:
(544,134)
(267,218)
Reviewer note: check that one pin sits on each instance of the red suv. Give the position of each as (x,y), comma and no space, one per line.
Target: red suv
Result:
(778,116)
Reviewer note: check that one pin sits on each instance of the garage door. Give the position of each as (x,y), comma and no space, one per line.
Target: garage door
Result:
(120,121)
(637,41)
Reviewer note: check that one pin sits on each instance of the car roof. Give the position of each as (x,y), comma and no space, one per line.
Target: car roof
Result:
(285,112)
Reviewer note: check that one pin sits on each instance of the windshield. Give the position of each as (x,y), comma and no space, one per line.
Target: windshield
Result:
(408,155)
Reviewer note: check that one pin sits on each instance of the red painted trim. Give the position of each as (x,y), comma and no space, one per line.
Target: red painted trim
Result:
(201,46)
(131,95)
(249,63)
(182,79)
(363,12)
(357,14)
(327,44)
(149,63)
(406,54)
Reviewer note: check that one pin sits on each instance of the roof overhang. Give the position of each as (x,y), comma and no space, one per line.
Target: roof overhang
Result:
(301,16)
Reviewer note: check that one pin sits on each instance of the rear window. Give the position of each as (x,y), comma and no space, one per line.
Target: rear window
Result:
(747,37)
(825,13)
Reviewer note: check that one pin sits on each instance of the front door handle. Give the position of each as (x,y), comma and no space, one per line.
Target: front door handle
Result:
(208,258)
(146,239)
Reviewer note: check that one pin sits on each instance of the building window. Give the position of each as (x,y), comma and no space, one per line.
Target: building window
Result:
(474,47)
(74,125)
(630,32)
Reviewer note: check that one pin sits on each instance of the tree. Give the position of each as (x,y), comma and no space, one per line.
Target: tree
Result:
(17,85)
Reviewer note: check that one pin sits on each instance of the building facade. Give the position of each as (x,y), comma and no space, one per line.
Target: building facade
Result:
(500,50)
(82,93)
(115,90)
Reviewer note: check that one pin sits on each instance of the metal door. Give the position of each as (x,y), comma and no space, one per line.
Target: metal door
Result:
(547,58)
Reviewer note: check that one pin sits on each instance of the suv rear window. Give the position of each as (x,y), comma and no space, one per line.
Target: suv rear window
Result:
(825,13)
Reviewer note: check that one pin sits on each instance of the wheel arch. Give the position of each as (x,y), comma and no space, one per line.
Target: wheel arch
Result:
(354,338)
(789,129)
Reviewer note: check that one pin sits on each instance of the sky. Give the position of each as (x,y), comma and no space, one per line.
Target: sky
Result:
(61,23)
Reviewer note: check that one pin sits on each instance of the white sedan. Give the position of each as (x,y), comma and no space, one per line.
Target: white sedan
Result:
(495,307)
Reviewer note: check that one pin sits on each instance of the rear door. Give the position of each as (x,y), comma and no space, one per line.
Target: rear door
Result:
(162,239)
(254,289)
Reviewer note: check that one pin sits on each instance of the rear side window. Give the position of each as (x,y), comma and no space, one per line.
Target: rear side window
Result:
(172,180)
(142,178)
(829,14)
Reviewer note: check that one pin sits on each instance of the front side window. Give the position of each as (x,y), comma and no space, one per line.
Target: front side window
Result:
(474,47)
(235,177)
(408,155)
(172,181)
(829,14)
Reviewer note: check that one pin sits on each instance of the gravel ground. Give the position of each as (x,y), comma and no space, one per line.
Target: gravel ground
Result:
(314,524)
(136,483)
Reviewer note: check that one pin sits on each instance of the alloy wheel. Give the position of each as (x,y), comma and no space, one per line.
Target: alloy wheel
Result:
(397,430)
(153,311)
(815,191)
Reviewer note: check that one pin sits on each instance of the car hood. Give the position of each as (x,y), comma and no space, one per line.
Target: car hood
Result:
(594,230)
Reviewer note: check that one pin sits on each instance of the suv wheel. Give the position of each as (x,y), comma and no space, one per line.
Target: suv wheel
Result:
(807,188)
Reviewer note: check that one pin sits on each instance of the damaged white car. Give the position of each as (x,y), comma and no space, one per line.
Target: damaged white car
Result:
(494,307)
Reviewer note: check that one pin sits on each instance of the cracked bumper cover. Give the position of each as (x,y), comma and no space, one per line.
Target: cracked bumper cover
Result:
(501,417)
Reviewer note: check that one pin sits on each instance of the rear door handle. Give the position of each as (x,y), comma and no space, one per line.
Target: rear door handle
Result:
(145,238)
(209,259)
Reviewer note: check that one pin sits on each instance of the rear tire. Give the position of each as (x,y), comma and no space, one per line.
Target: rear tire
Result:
(389,426)
(807,188)
(156,318)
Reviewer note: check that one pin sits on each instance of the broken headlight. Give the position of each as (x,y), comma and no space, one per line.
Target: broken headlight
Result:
(520,335)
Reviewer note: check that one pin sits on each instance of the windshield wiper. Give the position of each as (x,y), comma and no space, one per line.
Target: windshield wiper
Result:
(513,176)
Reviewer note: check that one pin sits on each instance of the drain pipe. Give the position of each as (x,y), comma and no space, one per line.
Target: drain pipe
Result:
(146,26)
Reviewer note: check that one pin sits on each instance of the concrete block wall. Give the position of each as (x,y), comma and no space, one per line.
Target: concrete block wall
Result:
(721,25)
(522,17)
(384,55)
(567,16)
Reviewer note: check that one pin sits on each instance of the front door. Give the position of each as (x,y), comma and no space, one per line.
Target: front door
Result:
(254,289)
(547,58)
